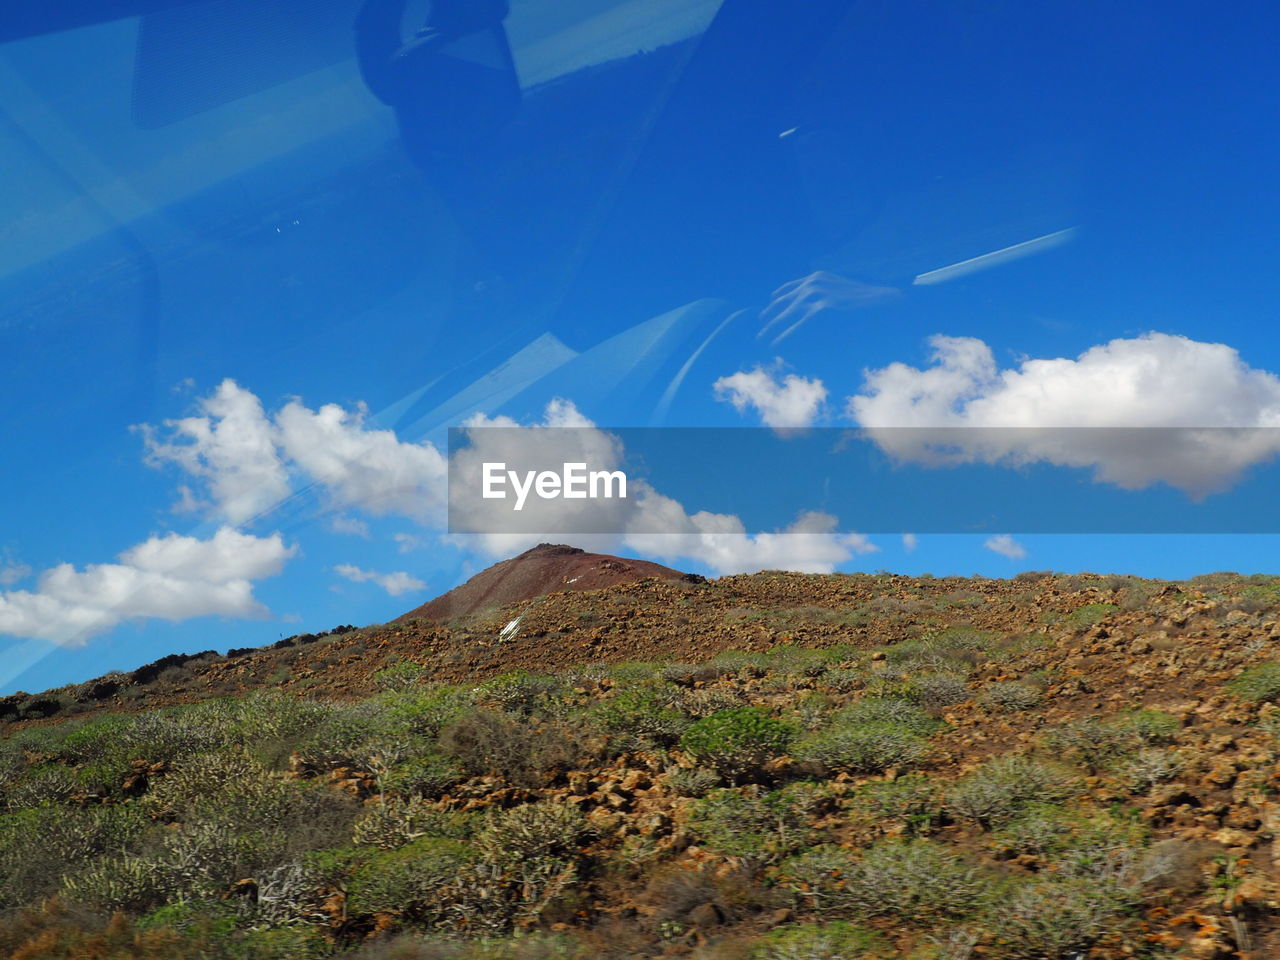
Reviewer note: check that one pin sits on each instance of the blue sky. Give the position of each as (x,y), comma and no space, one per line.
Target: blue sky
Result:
(272,266)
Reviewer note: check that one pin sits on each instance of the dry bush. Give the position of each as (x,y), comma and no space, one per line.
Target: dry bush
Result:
(1000,789)
(1010,695)
(491,743)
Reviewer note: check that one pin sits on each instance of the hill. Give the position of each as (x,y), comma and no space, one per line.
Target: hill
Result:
(759,767)
(546,568)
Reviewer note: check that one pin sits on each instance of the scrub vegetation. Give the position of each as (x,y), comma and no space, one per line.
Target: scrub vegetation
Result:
(1059,768)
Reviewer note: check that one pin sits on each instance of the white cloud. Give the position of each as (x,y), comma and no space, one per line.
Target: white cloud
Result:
(342,523)
(243,459)
(394,583)
(1152,381)
(358,467)
(227,555)
(1006,546)
(808,545)
(406,542)
(793,402)
(12,573)
(362,469)
(188,502)
(230,447)
(718,541)
(171,578)
(909,542)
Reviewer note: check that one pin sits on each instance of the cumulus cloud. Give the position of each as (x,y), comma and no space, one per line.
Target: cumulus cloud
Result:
(171,578)
(793,401)
(231,447)
(394,583)
(342,523)
(647,521)
(244,459)
(406,542)
(909,542)
(808,545)
(11,573)
(364,468)
(1006,546)
(1153,381)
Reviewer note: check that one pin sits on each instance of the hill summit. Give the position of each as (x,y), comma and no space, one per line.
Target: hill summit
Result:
(546,568)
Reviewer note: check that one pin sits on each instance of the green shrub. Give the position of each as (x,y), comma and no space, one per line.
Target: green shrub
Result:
(486,742)
(737,742)
(365,734)
(691,782)
(933,691)
(644,712)
(1148,726)
(913,881)
(1097,744)
(845,679)
(116,740)
(810,710)
(40,845)
(45,783)
(271,718)
(429,776)
(418,881)
(821,941)
(1010,695)
(393,822)
(1090,614)
(866,748)
(231,818)
(425,713)
(519,692)
(1073,843)
(636,673)
(1002,788)
(764,828)
(705,701)
(896,710)
(964,639)
(1259,682)
(816,879)
(789,660)
(95,739)
(402,676)
(531,831)
(124,882)
(1052,919)
(1148,767)
(218,786)
(912,801)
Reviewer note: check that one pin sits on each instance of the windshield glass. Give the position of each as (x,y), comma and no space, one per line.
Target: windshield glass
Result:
(257,258)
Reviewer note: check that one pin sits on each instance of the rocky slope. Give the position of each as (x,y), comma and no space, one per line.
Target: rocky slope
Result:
(546,568)
(1089,764)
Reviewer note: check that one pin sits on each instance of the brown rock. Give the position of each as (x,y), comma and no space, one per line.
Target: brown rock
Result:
(634,780)
(1230,837)
(705,915)
(1221,774)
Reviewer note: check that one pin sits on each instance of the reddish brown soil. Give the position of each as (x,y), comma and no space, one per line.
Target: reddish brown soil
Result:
(547,568)
(1095,646)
